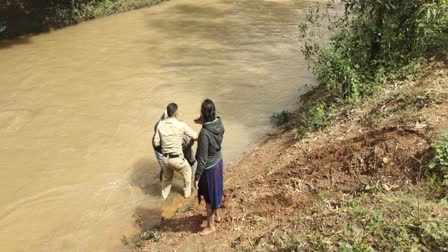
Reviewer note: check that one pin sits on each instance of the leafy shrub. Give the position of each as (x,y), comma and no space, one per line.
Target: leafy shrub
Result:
(2,27)
(137,241)
(38,16)
(280,118)
(371,41)
(440,159)
(150,235)
(314,120)
(338,75)
(434,234)
(318,117)
(439,163)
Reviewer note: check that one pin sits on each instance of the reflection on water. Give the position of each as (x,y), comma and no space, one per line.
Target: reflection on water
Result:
(78,107)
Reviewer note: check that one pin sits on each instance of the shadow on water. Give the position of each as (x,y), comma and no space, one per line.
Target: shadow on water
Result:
(203,21)
(217,24)
(145,175)
(30,18)
(148,217)
(15,42)
(198,11)
(228,34)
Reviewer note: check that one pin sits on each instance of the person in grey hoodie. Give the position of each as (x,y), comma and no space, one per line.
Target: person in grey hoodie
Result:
(209,172)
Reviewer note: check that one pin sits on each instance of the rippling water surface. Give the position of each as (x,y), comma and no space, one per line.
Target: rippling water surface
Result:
(78,105)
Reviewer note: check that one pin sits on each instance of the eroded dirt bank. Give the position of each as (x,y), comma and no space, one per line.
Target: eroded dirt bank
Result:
(289,194)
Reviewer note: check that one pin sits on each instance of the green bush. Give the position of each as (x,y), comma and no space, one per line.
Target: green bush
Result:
(138,240)
(371,41)
(2,27)
(336,72)
(439,164)
(314,120)
(280,118)
(440,160)
(37,16)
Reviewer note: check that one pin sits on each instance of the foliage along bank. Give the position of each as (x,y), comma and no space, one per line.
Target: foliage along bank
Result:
(370,44)
(371,41)
(19,17)
(354,47)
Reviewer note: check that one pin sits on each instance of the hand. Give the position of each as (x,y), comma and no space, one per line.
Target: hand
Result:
(199,120)
(196,185)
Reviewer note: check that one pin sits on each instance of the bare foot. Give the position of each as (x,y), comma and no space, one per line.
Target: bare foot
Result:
(217,219)
(207,231)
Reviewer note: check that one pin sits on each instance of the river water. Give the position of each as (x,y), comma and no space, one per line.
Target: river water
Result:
(78,105)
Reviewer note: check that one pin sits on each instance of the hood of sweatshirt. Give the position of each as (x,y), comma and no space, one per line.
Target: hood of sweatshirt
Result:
(215,126)
(209,146)
(215,132)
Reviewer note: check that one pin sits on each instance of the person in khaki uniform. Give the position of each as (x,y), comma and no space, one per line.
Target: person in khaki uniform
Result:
(169,134)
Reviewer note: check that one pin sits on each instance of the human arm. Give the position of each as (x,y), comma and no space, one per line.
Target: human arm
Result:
(156,138)
(189,132)
(201,155)
(199,120)
(187,143)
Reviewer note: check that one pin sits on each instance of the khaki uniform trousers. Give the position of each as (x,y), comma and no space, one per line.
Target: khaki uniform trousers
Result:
(180,165)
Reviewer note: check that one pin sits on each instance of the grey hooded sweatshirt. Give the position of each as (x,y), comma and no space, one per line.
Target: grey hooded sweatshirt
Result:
(208,153)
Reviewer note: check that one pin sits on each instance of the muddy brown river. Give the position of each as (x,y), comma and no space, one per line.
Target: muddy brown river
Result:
(78,105)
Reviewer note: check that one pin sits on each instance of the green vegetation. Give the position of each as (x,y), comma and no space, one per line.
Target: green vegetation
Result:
(79,10)
(439,166)
(372,44)
(280,118)
(372,41)
(315,119)
(138,240)
(2,27)
(19,17)
(355,48)
(399,221)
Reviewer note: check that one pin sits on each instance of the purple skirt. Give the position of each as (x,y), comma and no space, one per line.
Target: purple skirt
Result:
(211,185)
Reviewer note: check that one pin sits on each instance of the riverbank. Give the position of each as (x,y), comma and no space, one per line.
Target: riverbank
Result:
(362,182)
(31,17)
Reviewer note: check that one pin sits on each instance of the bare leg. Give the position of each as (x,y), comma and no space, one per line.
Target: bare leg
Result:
(210,221)
(217,216)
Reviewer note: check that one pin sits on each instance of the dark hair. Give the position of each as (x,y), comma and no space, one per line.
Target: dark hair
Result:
(208,110)
(171,109)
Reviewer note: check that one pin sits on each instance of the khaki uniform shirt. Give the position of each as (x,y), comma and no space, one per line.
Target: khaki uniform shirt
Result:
(169,134)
